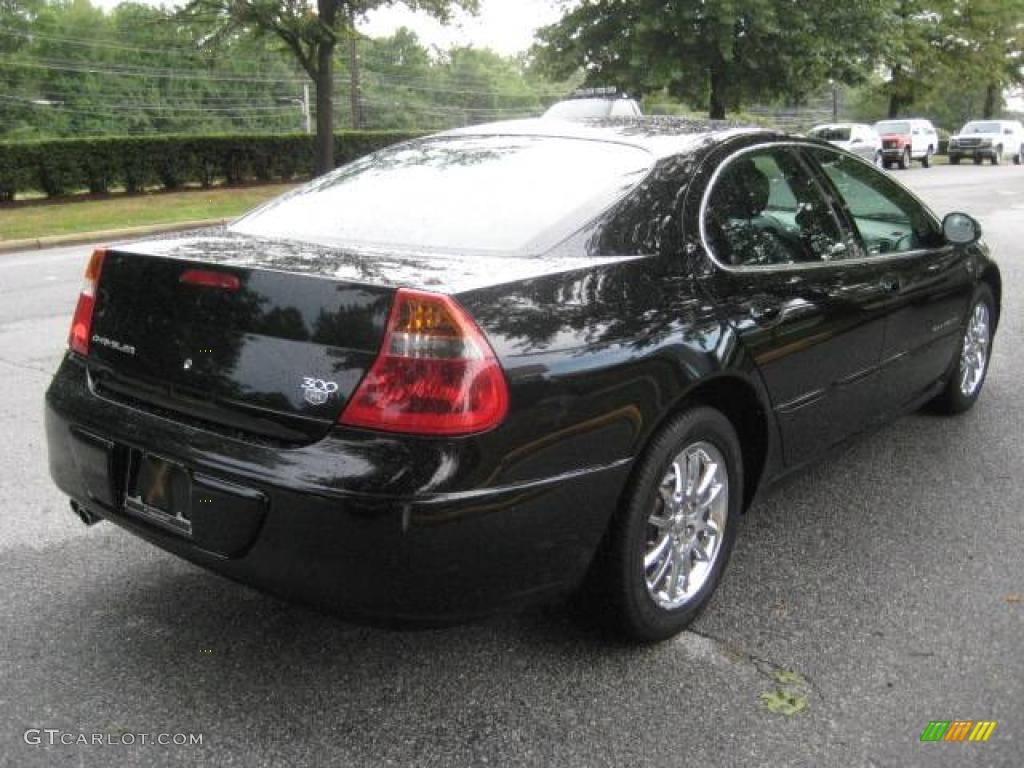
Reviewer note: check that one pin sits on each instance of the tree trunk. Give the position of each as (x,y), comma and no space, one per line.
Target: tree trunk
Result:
(717,107)
(991,101)
(323,154)
(895,98)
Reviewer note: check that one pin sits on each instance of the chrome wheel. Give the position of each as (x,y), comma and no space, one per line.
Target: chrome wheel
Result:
(686,526)
(974,353)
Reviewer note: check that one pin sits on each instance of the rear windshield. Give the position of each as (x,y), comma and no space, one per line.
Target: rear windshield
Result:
(832,133)
(981,128)
(892,126)
(490,193)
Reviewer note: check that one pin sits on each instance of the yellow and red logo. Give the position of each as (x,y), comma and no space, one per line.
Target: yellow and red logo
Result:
(958,730)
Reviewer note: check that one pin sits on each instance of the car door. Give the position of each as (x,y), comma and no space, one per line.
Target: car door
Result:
(812,323)
(929,281)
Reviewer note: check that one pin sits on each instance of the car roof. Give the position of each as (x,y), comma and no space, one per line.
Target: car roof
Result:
(661,136)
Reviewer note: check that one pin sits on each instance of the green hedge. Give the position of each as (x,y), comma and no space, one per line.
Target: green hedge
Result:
(64,166)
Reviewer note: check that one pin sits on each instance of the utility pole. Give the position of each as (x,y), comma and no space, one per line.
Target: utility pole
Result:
(354,94)
(305,109)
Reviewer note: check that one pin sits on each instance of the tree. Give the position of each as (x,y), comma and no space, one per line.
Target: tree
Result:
(719,53)
(987,39)
(310,31)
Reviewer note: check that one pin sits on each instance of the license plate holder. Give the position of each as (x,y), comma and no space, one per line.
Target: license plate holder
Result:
(160,491)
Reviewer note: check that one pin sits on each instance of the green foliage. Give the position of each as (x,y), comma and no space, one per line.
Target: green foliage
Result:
(714,53)
(63,166)
(72,71)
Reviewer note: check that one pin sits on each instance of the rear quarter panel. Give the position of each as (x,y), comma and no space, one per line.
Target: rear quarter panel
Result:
(596,358)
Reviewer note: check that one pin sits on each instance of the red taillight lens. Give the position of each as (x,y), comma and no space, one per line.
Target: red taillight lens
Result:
(81,323)
(436,374)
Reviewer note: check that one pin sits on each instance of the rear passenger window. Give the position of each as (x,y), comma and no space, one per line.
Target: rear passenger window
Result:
(765,210)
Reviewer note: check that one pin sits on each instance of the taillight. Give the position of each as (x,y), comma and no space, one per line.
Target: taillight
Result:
(81,323)
(207,278)
(435,374)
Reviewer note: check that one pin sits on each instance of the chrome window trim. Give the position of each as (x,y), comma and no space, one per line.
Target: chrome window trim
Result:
(801,266)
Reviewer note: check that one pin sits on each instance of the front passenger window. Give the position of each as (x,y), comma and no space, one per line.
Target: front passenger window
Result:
(887,217)
(765,210)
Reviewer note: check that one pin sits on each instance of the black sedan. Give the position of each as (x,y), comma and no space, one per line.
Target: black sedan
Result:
(512,362)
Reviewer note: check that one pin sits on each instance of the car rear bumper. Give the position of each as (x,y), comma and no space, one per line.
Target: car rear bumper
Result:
(271,517)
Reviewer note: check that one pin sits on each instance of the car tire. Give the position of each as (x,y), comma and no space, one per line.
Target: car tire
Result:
(977,160)
(887,164)
(954,159)
(997,156)
(1019,157)
(905,159)
(967,378)
(650,546)
(926,161)
(879,160)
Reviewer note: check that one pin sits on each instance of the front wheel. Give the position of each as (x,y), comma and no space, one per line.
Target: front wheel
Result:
(905,159)
(954,159)
(879,162)
(1019,156)
(997,156)
(926,161)
(971,366)
(668,544)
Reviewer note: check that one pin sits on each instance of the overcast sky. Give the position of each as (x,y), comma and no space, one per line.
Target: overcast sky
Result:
(506,26)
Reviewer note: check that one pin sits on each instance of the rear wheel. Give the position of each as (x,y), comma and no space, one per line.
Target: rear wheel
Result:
(667,546)
(954,159)
(905,159)
(971,366)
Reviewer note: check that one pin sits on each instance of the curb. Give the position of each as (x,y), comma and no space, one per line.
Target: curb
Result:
(80,238)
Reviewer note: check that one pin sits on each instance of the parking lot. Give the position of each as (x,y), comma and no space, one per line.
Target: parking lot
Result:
(876,592)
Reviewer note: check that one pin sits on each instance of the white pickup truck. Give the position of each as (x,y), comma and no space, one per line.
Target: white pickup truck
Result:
(992,139)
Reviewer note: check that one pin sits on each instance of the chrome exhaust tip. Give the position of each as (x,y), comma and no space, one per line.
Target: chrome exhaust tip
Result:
(83,514)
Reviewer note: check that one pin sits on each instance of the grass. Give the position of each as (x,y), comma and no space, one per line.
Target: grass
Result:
(118,211)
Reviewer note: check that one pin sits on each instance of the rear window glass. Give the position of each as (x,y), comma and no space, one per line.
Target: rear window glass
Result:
(892,127)
(492,193)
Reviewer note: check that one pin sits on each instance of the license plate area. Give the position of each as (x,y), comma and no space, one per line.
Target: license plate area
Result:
(160,491)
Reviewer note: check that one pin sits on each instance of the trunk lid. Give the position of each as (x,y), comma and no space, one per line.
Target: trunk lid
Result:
(264,352)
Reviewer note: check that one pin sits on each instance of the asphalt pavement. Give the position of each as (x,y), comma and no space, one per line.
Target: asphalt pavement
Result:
(866,597)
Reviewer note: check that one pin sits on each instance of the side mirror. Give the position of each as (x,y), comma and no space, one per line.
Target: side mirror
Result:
(961,229)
